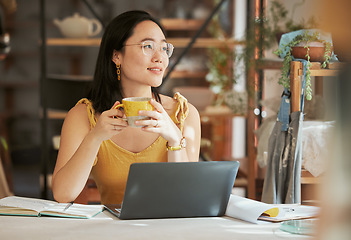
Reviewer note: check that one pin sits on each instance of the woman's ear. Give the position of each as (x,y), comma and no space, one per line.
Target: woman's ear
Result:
(115,57)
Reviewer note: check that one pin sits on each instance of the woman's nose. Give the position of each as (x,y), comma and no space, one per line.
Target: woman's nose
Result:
(158,56)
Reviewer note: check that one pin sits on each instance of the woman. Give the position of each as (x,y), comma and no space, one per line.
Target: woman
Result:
(95,139)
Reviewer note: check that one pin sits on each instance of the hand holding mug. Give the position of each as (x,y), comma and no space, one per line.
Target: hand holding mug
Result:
(132,106)
(107,125)
(158,121)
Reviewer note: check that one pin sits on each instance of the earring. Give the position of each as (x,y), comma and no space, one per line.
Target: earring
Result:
(118,66)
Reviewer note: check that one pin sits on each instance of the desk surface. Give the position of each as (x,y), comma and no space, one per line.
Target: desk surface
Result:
(105,226)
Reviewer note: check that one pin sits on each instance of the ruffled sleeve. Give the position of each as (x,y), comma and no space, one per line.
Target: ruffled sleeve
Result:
(90,110)
(91,115)
(181,111)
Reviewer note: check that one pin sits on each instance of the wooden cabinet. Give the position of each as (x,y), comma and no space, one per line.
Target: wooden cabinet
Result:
(217,128)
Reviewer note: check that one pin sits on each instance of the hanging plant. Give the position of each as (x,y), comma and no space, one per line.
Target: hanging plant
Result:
(220,74)
(305,40)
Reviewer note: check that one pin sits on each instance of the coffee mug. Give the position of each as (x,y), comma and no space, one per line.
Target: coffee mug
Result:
(132,106)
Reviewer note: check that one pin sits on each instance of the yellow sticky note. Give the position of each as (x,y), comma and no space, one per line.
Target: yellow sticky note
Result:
(273,212)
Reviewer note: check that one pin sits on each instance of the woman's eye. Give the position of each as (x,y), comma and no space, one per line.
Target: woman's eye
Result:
(148,46)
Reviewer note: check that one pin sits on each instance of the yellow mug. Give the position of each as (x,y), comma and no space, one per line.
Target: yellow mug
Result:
(132,106)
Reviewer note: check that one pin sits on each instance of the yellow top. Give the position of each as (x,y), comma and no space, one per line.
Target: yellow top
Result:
(111,167)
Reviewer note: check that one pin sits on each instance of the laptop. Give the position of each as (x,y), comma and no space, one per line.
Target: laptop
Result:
(172,190)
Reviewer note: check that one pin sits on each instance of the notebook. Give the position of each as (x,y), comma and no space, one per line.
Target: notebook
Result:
(170,190)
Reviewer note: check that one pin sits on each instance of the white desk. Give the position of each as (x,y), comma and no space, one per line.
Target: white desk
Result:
(105,226)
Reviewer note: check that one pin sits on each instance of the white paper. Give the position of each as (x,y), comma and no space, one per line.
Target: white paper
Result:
(247,209)
(296,211)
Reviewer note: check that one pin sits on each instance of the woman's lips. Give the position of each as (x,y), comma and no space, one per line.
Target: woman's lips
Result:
(155,70)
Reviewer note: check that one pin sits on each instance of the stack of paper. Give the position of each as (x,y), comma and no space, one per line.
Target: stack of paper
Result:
(253,211)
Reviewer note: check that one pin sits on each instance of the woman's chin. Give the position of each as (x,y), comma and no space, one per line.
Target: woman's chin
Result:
(157,83)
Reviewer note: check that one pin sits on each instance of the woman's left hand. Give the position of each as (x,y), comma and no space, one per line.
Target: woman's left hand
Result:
(160,122)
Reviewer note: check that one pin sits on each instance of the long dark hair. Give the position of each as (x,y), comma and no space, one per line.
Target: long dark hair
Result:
(105,88)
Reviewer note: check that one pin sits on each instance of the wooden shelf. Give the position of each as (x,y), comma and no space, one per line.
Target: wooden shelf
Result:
(177,42)
(204,42)
(83,78)
(19,84)
(15,24)
(17,115)
(220,114)
(169,24)
(270,64)
(53,114)
(181,24)
(74,42)
(56,114)
(322,72)
(188,74)
(316,70)
(308,178)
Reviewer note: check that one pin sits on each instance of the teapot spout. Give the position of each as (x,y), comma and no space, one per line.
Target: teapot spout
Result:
(57,22)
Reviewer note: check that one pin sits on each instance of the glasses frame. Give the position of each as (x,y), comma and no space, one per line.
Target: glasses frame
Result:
(144,43)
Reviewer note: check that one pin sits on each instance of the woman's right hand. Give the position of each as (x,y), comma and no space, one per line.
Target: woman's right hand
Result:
(109,123)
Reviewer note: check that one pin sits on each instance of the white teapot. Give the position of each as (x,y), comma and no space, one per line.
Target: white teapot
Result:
(78,26)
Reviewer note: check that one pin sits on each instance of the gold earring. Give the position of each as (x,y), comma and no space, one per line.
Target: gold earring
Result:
(118,66)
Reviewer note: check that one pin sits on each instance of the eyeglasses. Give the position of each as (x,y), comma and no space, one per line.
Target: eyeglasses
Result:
(149,48)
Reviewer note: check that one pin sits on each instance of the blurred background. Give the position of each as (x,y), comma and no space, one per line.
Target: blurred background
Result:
(234,98)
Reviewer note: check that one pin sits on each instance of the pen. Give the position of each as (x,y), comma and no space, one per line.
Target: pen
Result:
(68,205)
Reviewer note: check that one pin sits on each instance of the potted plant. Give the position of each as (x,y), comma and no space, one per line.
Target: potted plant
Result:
(305,45)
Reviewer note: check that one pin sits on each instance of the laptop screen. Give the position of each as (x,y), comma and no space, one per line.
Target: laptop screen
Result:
(166,190)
